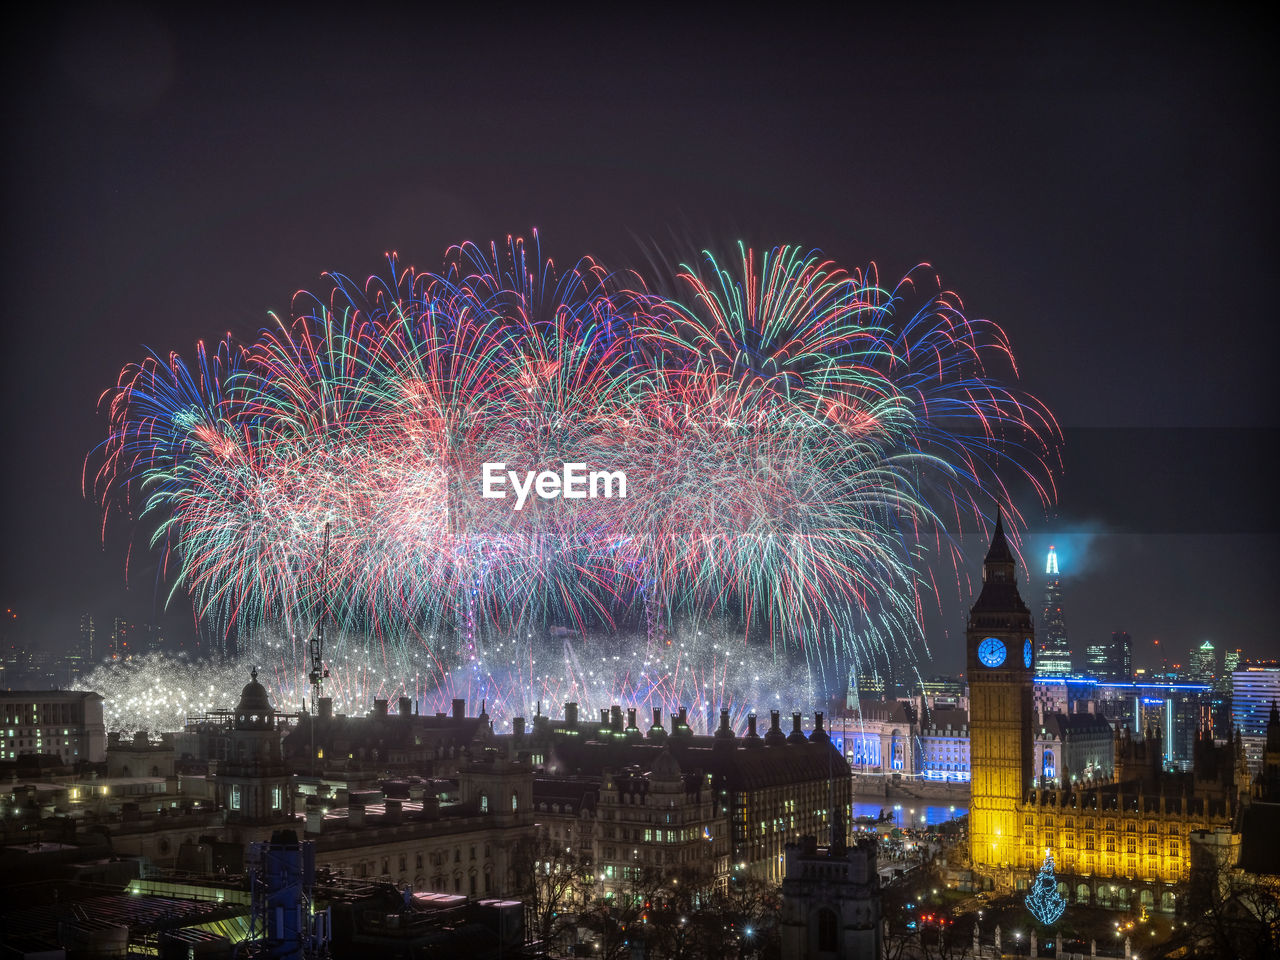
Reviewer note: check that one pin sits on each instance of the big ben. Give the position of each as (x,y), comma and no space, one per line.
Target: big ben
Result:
(1001,666)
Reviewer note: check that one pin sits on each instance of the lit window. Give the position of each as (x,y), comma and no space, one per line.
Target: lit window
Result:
(235,798)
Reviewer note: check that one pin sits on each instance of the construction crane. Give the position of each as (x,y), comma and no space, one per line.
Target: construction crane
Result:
(318,673)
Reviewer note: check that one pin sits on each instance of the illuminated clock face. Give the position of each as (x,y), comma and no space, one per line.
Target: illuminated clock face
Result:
(1026,653)
(991,652)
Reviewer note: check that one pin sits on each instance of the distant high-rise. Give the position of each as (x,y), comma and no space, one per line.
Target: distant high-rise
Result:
(1254,689)
(1203,661)
(866,683)
(153,639)
(87,648)
(122,639)
(1055,653)
(1111,661)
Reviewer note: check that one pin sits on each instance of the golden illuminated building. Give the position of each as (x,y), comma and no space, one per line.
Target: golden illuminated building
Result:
(1122,841)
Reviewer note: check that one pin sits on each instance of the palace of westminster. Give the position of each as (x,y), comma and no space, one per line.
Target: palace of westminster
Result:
(441,803)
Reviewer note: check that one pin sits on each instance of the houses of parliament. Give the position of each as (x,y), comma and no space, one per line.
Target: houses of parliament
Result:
(1119,842)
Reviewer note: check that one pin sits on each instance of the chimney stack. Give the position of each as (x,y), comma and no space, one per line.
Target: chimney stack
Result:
(725,733)
(681,726)
(395,812)
(775,737)
(819,734)
(656,732)
(459,709)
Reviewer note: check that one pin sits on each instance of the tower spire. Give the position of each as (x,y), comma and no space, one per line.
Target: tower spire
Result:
(999,551)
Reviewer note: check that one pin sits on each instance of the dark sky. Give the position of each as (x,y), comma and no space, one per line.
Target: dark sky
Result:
(1101,184)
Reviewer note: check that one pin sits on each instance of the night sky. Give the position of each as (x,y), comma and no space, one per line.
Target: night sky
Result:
(1101,185)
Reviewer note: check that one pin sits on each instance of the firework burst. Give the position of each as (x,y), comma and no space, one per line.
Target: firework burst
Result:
(797,440)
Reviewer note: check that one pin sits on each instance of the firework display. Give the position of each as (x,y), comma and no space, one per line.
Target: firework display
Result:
(699,670)
(795,442)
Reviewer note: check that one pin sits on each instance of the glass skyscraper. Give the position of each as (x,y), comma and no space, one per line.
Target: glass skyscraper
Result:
(1054,659)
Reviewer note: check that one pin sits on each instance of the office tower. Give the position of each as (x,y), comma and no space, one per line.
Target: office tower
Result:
(1054,657)
(1203,661)
(1111,661)
(87,649)
(1253,689)
(153,639)
(123,641)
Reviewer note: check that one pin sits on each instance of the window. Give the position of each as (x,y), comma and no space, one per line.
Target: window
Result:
(403,863)
(515,802)
(418,862)
(235,797)
(484,803)
(276,798)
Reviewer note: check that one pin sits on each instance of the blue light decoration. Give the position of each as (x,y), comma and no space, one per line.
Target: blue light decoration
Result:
(991,652)
(1026,653)
(1043,900)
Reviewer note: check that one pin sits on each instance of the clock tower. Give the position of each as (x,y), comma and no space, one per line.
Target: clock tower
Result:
(1001,664)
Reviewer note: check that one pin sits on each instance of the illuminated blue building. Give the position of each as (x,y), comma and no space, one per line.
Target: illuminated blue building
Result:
(944,746)
(1253,690)
(878,736)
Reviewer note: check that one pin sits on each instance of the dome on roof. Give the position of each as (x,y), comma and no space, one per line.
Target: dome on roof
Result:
(254,699)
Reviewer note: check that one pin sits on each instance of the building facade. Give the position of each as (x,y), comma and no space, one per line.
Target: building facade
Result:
(1111,661)
(1253,688)
(66,724)
(831,901)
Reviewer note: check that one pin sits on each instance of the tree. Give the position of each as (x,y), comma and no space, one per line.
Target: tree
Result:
(554,883)
(617,921)
(1224,911)
(1043,900)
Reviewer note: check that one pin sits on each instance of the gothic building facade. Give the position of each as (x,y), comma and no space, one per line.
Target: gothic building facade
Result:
(1121,841)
